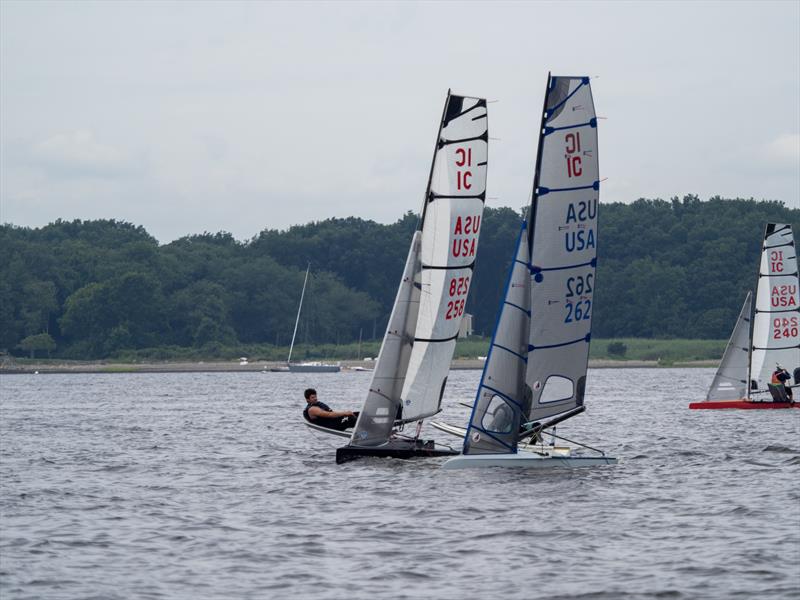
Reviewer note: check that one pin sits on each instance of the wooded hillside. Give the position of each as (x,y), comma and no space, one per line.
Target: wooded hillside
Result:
(91,289)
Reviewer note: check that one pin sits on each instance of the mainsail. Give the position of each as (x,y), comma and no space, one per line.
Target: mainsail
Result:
(539,354)
(418,346)
(731,379)
(776,323)
(564,248)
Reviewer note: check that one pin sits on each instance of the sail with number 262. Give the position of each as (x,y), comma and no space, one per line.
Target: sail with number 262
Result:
(535,372)
(411,372)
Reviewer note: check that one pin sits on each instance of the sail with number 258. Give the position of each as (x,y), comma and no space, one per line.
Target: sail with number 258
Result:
(411,372)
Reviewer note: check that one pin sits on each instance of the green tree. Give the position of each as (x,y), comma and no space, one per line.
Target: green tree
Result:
(34,343)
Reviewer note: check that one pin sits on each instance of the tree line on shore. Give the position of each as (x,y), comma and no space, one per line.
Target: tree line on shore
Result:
(98,289)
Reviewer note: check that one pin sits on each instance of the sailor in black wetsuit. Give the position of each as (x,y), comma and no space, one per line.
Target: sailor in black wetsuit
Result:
(321,414)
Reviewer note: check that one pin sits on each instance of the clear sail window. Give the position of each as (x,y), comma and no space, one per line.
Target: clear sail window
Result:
(557,388)
(498,417)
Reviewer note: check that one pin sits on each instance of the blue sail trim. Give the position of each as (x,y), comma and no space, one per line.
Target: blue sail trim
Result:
(534,269)
(550,111)
(512,449)
(541,190)
(503,395)
(522,230)
(585,339)
(590,123)
(527,312)
(510,351)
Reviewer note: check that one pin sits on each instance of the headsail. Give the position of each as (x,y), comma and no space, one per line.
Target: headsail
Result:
(563,248)
(500,403)
(776,324)
(418,346)
(381,406)
(731,379)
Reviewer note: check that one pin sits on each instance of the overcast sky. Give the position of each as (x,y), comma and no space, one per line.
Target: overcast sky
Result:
(187,117)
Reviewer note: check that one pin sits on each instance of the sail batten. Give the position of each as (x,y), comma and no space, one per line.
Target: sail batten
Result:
(536,366)
(776,314)
(415,356)
(563,249)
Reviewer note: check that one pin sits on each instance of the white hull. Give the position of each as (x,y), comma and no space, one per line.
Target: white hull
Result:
(313,368)
(563,451)
(525,460)
(327,430)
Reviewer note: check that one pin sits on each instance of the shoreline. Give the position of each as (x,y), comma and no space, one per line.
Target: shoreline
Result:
(53,367)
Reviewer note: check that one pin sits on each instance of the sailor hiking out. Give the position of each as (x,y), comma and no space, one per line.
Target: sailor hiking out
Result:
(319,413)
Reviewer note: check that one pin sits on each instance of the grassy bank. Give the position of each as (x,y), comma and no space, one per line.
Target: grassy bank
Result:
(666,352)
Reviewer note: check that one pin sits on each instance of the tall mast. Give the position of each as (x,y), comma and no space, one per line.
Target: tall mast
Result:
(436,148)
(297,320)
(753,314)
(538,168)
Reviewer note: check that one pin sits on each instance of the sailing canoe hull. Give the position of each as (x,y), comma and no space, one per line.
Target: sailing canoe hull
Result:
(744,404)
(393,449)
(461,432)
(525,460)
(300,368)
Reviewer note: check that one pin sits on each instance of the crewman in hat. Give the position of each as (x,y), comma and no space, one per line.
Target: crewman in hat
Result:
(781,376)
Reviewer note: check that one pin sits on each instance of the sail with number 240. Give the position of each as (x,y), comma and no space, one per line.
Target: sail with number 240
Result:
(414,360)
(776,323)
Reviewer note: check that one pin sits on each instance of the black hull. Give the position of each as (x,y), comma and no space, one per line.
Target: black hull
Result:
(393,449)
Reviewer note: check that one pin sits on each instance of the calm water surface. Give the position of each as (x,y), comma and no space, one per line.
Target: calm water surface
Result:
(208,486)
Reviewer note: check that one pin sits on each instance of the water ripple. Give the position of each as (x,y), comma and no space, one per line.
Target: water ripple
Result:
(208,486)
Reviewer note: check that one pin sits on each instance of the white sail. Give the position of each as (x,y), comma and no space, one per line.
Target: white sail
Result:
(731,379)
(564,248)
(420,339)
(501,402)
(776,323)
(380,408)
(451,226)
